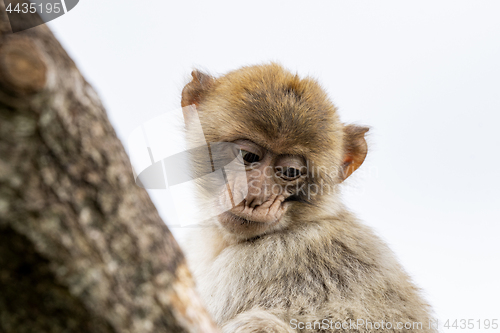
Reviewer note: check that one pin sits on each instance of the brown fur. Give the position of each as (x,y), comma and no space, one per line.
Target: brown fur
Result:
(318,262)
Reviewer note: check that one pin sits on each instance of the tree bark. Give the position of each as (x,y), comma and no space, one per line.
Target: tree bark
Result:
(82,248)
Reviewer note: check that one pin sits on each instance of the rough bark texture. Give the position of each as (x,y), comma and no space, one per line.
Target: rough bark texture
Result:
(82,248)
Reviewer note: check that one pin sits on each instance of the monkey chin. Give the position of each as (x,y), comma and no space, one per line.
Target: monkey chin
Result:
(243,228)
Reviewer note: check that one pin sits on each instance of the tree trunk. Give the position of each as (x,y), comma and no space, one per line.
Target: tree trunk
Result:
(82,248)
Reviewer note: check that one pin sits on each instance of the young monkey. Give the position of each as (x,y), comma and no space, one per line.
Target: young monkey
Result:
(287,256)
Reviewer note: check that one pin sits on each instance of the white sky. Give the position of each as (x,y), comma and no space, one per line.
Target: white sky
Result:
(424,75)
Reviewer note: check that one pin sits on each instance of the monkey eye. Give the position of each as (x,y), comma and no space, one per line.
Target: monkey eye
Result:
(249,157)
(289,173)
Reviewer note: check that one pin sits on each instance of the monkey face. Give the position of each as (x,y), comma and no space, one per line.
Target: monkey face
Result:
(271,180)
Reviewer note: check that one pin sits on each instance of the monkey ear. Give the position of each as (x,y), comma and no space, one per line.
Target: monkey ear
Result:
(355,149)
(193,91)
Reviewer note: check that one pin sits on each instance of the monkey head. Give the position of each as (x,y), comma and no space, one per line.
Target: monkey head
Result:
(287,135)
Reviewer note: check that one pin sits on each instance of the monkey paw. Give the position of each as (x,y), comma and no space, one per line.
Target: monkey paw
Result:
(267,212)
